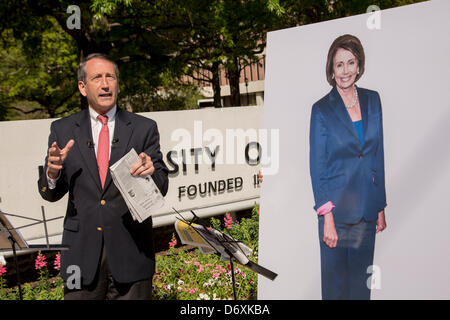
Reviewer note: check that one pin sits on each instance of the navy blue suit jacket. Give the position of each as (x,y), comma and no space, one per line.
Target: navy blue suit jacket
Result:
(94,215)
(343,171)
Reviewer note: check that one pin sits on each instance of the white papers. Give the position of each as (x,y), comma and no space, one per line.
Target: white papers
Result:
(141,194)
(212,241)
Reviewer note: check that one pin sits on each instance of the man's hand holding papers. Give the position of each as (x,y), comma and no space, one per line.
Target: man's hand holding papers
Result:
(140,193)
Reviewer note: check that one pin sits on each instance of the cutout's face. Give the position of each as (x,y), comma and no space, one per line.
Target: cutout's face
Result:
(345,68)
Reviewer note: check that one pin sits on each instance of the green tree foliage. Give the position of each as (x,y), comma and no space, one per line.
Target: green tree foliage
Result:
(138,37)
(245,24)
(209,34)
(40,83)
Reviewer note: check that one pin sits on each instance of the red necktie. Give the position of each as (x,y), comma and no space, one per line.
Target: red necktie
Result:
(103,149)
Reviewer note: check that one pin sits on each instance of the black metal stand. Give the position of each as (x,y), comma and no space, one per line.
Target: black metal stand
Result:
(13,245)
(11,235)
(233,279)
(224,242)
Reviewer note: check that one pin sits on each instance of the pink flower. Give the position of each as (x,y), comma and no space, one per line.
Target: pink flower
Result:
(257,211)
(173,243)
(40,262)
(2,269)
(228,220)
(200,269)
(191,291)
(57,262)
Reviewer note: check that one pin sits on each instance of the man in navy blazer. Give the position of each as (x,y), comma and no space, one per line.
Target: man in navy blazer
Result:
(114,253)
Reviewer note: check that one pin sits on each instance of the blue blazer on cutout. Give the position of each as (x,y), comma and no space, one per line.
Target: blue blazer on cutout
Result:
(343,171)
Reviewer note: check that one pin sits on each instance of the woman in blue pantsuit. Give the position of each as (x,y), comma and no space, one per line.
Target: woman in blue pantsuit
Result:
(347,173)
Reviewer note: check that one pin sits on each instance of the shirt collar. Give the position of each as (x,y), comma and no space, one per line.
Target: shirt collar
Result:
(111,114)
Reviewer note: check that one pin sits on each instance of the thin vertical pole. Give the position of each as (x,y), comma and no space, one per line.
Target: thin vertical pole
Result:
(13,244)
(45,227)
(232,278)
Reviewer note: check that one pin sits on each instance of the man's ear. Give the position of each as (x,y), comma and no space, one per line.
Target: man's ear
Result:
(82,88)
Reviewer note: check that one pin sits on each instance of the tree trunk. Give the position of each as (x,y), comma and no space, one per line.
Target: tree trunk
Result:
(216,85)
(233,74)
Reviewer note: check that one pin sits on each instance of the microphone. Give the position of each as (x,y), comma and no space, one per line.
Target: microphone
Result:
(115,140)
(90,144)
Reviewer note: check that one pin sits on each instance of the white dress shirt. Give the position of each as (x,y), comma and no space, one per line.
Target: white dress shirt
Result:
(96,126)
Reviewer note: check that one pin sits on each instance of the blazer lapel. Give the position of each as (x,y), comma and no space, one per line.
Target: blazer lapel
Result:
(122,133)
(338,107)
(363,104)
(84,142)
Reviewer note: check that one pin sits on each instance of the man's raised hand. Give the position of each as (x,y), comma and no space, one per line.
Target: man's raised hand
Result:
(56,158)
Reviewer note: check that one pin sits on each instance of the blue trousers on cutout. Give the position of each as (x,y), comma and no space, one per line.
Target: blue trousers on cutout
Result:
(344,268)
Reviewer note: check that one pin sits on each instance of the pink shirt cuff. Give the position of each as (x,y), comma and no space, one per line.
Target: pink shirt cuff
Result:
(325,208)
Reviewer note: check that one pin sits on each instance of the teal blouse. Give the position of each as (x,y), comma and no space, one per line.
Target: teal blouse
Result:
(359,129)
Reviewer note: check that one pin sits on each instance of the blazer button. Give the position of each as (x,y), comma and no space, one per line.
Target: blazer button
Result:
(103,202)
(99,229)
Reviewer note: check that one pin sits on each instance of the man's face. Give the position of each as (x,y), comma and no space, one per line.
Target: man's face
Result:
(101,87)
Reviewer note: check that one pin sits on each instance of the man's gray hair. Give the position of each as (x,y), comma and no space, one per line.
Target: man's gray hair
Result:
(82,66)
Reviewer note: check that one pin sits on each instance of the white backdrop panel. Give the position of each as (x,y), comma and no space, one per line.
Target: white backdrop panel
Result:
(407,62)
